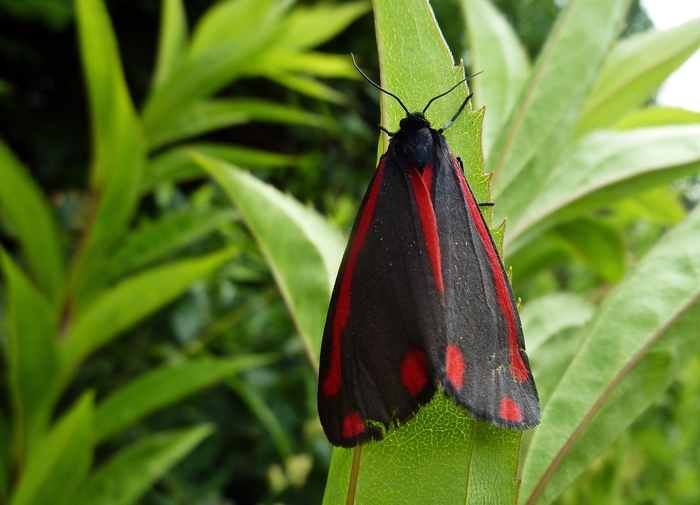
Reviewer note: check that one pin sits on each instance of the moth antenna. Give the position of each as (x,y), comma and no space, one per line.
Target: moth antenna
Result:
(459,111)
(391,134)
(449,91)
(378,86)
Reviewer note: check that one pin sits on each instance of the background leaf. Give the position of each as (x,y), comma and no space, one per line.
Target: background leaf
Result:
(118,148)
(129,474)
(57,465)
(125,304)
(32,223)
(496,51)
(540,127)
(302,250)
(31,358)
(164,386)
(640,313)
(634,70)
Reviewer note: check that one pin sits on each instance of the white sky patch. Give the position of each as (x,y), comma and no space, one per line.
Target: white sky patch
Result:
(682,88)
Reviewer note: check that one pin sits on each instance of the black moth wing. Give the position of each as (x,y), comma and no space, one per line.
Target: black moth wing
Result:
(379,374)
(484,367)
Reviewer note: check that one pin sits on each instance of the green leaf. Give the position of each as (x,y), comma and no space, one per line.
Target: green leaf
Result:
(234,20)
(129,474)
(164,386)
(310,26)
(31,220)
(643,333)
(307,85)
(656,116)
(118,148)
(31,354)
(153,241)
(207,115)
(476,462)
(495,50)
(551,325)
(172,42)
(659,205)
(301,248)
(176,165)
(229,35)
(548,315)
(539,255)
(256,403)
(125,304)
(604,166)
(58,464)
(634,70)
(5,458)
(596,244)
(540,126)
(318,64)
(408,37)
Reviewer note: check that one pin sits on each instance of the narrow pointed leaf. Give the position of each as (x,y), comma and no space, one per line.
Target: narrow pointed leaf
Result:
(172,40)
(301,248)
(496,51)
(229,35)
(164,386)
(128,475)
(5,457)
(540,127)
(310,26)
(311,63)
(549,314)
(118,147)
(31,220)
(31,357)
(233,20)
(256,403)
(176,164)
(634,70)
(596,244)
(306,85)
(207,115)
(154,241)
(124,305)
(58,464)
(657,116)
(608,165)
(645,330)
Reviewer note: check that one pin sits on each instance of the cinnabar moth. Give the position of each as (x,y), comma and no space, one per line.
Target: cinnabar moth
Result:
(421,301)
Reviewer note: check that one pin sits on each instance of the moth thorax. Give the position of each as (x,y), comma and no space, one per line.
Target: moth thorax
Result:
(417,147)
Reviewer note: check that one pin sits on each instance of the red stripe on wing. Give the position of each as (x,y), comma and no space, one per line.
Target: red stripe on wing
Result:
(421,190)
(331,384)
(517,366)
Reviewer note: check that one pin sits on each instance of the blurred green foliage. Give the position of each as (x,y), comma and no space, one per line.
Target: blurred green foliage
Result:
(159,344)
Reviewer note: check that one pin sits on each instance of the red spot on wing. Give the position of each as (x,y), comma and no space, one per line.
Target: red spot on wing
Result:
(454,362)
(517,366)
(510,410)
(352,425)
(331,384)
(414,372)
(421,190)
